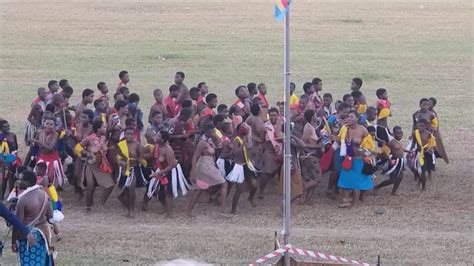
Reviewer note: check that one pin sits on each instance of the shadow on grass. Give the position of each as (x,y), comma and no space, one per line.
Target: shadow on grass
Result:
(350,21)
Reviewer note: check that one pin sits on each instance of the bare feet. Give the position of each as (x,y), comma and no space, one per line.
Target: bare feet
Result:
(225,215)
(345,200)
(168,212)
(123,201)
(80,196)
(345,205)
(330,194)
(376,191)
(252,203)
(214,199)
(299,202)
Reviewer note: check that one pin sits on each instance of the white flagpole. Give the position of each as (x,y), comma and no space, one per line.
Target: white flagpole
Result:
(287,163)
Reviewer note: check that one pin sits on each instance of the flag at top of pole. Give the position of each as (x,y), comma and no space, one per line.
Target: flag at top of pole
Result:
(281,7)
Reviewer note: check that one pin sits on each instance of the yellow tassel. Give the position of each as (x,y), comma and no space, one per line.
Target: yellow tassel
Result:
(434,123)
(431,142)
(62,133)
(4,147)
(103,117)
(78,149)
(218,133)
(246,155)
(326,126)
(386,149)
(124,150)
(421,158)
(52,193)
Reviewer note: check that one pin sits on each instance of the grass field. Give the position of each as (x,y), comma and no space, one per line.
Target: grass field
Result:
(414,49)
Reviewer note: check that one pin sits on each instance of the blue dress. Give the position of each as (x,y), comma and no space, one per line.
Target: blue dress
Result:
(337,160)
(354,178)
(36,255)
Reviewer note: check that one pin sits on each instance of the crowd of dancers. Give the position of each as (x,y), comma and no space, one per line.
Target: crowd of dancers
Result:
(190,143)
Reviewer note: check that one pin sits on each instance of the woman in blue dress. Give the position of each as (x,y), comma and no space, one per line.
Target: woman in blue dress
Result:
(356,144)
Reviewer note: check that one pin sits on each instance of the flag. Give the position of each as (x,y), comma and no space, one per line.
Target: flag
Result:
(281,7)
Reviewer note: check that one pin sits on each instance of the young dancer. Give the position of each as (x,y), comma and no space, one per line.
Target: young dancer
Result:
(395,165)
(97,169)
(383,107)
(204,173)
(243,173)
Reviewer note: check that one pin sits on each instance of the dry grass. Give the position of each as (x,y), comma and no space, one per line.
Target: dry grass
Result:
(412,51)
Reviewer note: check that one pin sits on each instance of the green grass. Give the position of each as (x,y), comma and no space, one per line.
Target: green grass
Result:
(423,52)
(413,52)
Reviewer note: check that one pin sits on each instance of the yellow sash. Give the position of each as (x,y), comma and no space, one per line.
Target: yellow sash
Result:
(123,147)
(77,149)
(62,133)
(385,112)
(326,126)
(218,133)
(342,133)
(4,147)
(368,143)
(361,108)
(421,158)
(430,144)
(246,155)
(386,149)
(103,117)
(434,123)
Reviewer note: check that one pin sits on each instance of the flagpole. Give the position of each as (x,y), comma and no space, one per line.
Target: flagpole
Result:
(287,166)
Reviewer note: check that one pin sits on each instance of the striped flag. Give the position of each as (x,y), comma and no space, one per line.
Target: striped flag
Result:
(281,7)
